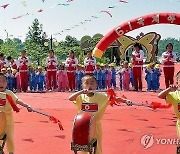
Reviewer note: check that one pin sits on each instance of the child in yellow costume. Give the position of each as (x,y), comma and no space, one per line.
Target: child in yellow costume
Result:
(6,113)
(172,96)
(102,100)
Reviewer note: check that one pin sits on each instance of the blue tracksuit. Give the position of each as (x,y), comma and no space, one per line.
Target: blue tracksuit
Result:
(32,80)
(40,81)
(104,78)
(151,77)
(9,78)
(113,78)
(14,83)
(79,75)
(131,78)
(98,76)
(158,78)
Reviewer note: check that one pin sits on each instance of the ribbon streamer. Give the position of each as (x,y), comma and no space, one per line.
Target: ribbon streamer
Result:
(154,105)
(51,118)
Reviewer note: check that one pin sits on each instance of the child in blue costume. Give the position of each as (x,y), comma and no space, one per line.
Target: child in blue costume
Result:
(104,76)
(32,79)
(131,75)
(151,77)
(113,78)
(9,77)
(159,71)
(40,79)
(98,76)
(79,73)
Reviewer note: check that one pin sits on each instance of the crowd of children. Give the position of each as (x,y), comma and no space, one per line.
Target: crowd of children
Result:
(106,76)
(68,76)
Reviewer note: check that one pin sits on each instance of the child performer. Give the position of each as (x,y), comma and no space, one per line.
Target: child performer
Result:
(89,63)
(120,77)
(113,77)
(23,69)
(98,75)
(3,62)
(159,71)
(151,77)
(104,76)
(172,96)
(51,64)
(62,78)
(125,76)
(32,79)
(108,79)
(100,99)
(14,84)
(18,80)
(169,59)
(40,79)
(7,103)
(131,75)
(9,77)
(79,73)
(3,70)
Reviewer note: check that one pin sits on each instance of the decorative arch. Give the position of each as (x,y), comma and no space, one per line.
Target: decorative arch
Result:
(148,41)
(151,19)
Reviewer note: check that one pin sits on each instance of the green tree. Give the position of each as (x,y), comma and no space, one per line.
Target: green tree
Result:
(34,43)
(11,48)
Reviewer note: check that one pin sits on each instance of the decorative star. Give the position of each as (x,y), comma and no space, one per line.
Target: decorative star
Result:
(171,18)
(156,18)
(140,21)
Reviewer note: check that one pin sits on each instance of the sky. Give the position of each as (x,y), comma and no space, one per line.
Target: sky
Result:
(56,19)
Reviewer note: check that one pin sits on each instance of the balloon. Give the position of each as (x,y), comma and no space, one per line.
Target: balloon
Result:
(46,44)
(151,19)
(56,43)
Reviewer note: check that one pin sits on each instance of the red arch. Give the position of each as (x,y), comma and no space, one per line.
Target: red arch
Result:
(151,19)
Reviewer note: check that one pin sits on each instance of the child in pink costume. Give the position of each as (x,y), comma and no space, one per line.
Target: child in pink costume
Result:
(108,79)
(18,80)
(125,76)
(62,78)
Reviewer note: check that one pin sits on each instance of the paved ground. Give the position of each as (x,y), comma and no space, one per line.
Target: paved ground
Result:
(123,126)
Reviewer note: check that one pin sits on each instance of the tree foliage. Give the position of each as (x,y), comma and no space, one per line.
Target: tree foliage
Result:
(34,43)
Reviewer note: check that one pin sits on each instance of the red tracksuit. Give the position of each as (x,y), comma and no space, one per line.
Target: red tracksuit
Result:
(89,64)
(51,64)
(71,67)
(3,64)
(23,69)
(15,64)
(137,68)
(168,67)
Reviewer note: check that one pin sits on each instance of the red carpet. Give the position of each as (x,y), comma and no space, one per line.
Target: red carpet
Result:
(123,126)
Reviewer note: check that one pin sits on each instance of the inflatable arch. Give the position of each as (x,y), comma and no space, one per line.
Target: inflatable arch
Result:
(151,19)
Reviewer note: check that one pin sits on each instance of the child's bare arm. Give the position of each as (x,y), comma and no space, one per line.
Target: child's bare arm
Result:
(165,92)
(20,102)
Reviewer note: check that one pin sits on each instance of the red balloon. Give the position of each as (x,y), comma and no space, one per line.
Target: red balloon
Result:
(151,19)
